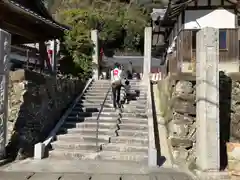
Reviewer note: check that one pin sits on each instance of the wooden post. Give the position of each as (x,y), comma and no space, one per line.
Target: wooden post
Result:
(5,46)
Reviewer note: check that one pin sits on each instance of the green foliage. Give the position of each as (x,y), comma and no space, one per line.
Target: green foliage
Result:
(120,26)
(78,41)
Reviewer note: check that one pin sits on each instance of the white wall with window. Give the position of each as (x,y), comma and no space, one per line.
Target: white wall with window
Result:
(217,18)
(222,39)
(221,19)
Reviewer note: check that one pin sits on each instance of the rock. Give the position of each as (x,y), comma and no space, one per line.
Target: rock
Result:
(178,118)
(192,133)
(180,142)
(235,117)
(179,130)
(184,107)
(180,155)
(183,87)
(233,151)
(235,130)
(186,97)
(235,107)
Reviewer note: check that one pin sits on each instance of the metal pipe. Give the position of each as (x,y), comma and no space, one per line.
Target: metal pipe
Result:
(99,113)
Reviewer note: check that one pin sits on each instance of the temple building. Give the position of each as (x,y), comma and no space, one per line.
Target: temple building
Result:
(180,23)
(30,25)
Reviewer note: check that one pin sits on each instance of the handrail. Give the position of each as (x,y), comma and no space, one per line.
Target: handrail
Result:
(98,116)
(152,152)
(66,114)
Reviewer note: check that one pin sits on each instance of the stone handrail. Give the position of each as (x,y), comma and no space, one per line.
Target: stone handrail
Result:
(39,148)
(152,152)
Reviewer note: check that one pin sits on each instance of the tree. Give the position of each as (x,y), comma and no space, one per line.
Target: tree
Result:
(120,25)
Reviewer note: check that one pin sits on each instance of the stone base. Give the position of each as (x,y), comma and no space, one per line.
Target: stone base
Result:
(39,151)
(161,120)
(213,175)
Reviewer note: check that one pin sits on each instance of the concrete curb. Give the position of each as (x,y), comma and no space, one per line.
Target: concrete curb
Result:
(162,131)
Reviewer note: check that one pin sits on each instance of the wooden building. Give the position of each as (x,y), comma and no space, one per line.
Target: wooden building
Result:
(183,18)
(28,21)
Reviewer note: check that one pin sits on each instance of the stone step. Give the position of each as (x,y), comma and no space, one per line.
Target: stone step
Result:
(126,156)
(91,119)
(80,105)
(88,131)
(101,83)
(88,124)
(129,126)
(89,114)
(106,87)
(138,115)
(130,140)
(133,133)
(92,109)
(98,104)
(90,105)
(107,155)
(139,102)
(98,89)
(104,120)
(82,138)
(93,101)
(137,105)
(62,154)
(134,119)
(94,93)
(127,109)
(99,97)
(124,148)
(84,109)
(90,146)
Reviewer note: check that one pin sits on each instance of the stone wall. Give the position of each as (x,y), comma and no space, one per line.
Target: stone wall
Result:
(233,145)
(177,104)
(36,102)
(235,112)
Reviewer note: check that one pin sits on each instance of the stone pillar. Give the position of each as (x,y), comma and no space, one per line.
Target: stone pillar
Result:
(54,56)
(207,96)
(95,56)
(147,53)
(5,46)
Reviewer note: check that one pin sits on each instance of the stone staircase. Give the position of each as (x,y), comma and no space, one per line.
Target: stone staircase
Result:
(122,135)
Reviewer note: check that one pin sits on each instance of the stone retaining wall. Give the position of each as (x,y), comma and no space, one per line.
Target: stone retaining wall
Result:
(36,102)
(233,145)
(177,106)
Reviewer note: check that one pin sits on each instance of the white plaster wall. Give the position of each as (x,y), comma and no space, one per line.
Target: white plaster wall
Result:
(218,18)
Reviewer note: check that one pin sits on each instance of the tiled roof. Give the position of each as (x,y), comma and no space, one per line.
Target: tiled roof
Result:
(25,10)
